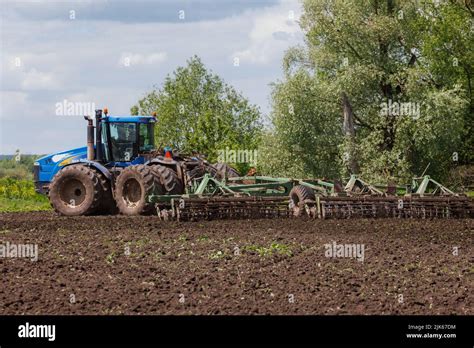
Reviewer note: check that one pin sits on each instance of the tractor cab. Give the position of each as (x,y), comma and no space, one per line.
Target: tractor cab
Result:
(126,138)
(120,140)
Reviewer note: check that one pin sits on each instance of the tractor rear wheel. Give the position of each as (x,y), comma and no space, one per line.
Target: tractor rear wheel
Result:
(76,190)
(132,188)
(298,195)
(223,169)
(168,179)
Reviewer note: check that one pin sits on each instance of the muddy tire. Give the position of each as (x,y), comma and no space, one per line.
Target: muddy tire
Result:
(170,183)
(76,190)
(107,205)
(132,188)
(223,169)
(298,195)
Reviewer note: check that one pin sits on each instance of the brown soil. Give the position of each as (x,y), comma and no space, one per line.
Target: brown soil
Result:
(230,267)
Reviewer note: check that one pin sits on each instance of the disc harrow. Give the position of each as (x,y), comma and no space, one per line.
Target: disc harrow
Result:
(212,208)
(264,197)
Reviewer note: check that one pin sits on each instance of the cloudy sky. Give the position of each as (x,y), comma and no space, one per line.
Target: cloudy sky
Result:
(112,52)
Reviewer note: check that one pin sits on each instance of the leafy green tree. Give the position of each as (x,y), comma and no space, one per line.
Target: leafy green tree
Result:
(305,137)
(198,112)
(369,88)
(448,48)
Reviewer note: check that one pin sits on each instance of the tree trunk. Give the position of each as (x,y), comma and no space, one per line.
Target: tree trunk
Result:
(349,132)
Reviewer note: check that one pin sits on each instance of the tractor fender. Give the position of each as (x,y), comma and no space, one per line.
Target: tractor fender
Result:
(167,163)
(96,165)
(174,165)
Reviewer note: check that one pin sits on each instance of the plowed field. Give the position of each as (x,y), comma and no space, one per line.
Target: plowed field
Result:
(140,265)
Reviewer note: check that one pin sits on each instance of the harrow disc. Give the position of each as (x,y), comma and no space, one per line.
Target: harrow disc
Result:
(396,207)
(192,209)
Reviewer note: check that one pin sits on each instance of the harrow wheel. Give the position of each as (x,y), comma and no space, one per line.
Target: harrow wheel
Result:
(132,188)
(299,197)
(76,190)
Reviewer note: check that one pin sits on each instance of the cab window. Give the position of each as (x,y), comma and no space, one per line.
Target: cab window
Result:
(146,137)
(123,141)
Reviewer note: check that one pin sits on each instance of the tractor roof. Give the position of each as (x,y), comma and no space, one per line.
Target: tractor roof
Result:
(130,119)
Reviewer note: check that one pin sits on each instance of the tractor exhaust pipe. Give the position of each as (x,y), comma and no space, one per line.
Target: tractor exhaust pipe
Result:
(90,138)
(98,136)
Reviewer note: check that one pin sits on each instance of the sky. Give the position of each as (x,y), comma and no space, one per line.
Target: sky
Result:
(111,53)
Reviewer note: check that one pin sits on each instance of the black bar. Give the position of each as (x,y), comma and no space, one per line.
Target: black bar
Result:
(288,330)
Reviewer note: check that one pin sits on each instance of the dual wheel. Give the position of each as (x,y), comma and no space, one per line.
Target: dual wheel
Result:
(136,183)
(82,190)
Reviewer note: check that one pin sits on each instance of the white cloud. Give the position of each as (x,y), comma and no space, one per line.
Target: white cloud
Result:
(9,101)
(34,79)
(272,32)
(27,71)
(130,59)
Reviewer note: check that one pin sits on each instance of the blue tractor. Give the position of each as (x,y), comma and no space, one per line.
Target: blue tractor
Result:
(118,169)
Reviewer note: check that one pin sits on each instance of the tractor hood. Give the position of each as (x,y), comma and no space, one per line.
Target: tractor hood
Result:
(49,165)
(63,158)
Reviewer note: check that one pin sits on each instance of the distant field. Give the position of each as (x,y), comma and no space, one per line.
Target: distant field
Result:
(11,157)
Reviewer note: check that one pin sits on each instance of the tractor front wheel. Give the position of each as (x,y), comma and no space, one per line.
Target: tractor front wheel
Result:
(132,188)
(76,190)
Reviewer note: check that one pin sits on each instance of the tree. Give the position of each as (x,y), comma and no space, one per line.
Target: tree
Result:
(382,101)
(198,112)
(449,50)
(305,136)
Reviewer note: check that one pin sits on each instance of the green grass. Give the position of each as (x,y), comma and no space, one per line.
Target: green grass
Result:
(215,255)
(110,258)
(20,196)
(273,249)
(23,205)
